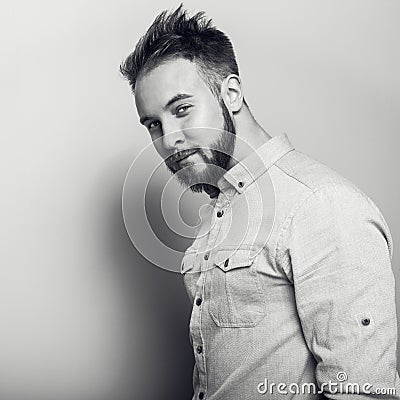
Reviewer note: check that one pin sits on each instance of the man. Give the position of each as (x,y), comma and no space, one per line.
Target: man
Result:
(290,275)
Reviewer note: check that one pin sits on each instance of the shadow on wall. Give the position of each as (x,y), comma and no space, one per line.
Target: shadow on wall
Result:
(159,360)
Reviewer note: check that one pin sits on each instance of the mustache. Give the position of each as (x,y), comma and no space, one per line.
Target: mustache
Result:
(180,155)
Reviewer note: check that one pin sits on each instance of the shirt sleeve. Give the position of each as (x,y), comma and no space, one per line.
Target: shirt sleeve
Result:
(339,250)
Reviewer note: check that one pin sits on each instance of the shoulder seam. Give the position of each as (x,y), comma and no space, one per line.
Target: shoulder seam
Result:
(294,210)
(293,177)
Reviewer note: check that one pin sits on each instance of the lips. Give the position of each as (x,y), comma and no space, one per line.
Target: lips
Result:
(184,154)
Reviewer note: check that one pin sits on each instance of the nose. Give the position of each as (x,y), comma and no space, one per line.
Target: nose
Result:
(173,138)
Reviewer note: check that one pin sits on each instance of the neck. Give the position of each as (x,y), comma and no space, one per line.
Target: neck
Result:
(249,135)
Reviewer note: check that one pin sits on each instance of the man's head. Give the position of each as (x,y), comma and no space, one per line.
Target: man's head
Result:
(183,72)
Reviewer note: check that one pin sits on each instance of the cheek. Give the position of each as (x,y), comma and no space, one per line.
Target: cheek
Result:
(159,148)
(207,115)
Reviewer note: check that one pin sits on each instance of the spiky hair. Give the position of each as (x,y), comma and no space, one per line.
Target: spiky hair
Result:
(177,35)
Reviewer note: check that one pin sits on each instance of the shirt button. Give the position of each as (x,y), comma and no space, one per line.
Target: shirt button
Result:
(201,395)
(226,263)
(199,349)
(240,184)
(365,321)
(198,301)
(206,256)
(220,213)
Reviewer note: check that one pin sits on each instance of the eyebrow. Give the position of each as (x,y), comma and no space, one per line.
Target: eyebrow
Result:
(179,96)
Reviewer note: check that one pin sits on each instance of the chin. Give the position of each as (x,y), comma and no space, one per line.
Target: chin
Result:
(198,167)
(194,174)
(193,171)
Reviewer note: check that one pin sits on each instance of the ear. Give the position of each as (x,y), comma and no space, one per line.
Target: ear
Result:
(231,92)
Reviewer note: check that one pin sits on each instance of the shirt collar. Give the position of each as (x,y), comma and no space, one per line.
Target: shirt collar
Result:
(246,171)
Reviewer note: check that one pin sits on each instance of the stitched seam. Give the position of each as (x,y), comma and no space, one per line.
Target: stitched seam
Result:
(293,177)
(267,168)
(292,214)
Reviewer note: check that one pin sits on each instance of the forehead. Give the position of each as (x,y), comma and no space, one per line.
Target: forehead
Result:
(157,86)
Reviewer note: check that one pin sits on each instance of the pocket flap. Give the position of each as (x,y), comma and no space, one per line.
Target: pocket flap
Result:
(228,259)
(188,261)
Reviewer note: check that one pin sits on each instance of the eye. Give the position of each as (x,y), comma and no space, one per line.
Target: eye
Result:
(181,109)
(153,124)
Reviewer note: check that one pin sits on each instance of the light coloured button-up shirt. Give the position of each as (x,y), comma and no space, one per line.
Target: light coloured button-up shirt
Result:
(291,284)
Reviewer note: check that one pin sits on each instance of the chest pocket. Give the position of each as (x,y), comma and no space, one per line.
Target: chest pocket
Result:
(236,298)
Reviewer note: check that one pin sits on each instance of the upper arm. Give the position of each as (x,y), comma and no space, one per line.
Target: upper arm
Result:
(339,248)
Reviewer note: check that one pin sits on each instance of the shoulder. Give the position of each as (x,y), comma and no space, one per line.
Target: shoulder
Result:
(309,172)
(306,189)
(324,205)
(306,181)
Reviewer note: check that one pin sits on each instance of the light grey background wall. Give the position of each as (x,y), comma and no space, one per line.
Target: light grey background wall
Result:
(82,315)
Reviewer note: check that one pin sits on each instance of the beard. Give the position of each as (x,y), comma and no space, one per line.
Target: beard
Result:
(216,164)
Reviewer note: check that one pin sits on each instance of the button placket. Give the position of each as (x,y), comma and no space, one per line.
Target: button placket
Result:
(212,238)
(196,334)
(198,341)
